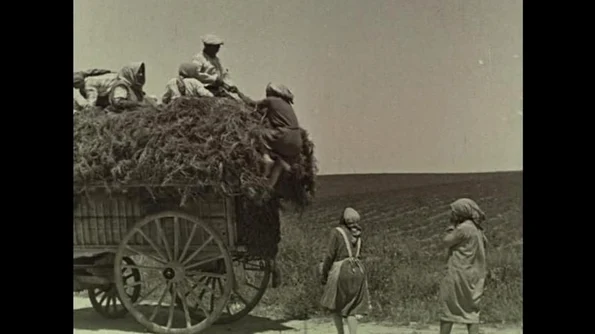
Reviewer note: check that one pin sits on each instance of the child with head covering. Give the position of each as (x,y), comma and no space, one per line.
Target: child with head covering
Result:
(92,88)
(186,84)
(461,289)
(346,292)
(127,90)
(284,140)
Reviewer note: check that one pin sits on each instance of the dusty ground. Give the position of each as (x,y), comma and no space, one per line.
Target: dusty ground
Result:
(86,321)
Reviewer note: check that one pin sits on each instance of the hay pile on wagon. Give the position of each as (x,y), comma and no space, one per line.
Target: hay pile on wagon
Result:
(188,147)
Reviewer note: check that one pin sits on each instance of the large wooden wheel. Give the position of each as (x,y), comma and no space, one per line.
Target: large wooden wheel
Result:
(179,251)
(105,299)
(251,278)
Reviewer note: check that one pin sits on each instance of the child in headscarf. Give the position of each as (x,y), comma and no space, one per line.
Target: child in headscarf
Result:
(127,91)
(284,140)
(346,292)
(92,88)
(186,84)
(462,288)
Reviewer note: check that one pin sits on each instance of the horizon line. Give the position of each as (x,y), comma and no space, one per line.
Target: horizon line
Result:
(423,173)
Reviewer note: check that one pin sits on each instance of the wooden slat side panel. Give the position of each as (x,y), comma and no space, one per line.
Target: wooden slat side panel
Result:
(103,221)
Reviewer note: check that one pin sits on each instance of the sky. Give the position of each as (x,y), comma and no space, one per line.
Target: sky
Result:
(382,86)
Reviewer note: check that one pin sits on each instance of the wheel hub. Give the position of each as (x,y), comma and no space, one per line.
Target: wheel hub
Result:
(169,273)
(173,272)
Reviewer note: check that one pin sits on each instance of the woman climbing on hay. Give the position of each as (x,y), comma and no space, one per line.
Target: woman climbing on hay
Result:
(461,289)
(284,140)
(92,88)
(186,84)
(127,91)
(346,292)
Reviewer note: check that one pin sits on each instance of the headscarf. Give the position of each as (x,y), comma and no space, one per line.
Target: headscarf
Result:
(281,91)
(130,75)
(350,219)
(188,70)
(185,71)
(467,209)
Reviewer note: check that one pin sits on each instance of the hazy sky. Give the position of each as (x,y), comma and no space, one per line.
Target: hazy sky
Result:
(381,85)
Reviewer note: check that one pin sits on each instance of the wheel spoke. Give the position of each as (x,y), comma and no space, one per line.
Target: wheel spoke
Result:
(212,300)
(132,285)
(203,286)
(199,303)
(147,295)
(115,304)
(220,284)
(240,296)
(198,264)
(172,304)
(163,238)
(252,267)
(151,242)
(109,303)
(188,242)
(103,298)
(186,312)
(151,256)
(195,253)
(206,274)
(176,238)
(252,285)
(156,309)
(136,266)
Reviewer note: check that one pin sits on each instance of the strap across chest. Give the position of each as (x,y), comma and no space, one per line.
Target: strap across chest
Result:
(348,244)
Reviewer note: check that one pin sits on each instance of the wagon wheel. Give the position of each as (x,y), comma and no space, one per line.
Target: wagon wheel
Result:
(252,277)
(105,300)
(177,249)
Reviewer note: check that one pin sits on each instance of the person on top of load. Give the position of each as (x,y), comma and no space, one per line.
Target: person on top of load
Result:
(92,88)
(284,140)
(127,90)
(210,71)
(186,84)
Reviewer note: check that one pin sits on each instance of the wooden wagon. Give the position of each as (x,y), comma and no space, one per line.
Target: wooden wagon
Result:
(175,269)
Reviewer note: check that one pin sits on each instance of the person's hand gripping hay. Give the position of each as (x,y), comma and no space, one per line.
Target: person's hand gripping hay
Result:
(284,140)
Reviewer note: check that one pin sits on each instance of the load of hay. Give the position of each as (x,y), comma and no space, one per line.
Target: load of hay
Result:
(188,147)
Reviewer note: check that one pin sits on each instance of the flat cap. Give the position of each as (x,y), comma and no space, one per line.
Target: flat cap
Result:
(212,40)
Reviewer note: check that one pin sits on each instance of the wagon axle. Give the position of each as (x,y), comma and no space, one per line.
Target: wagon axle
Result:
(174,272)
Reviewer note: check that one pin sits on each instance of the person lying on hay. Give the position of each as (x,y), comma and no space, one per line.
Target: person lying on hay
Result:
(127,91)
(284,140)
(92,88)
(186,84)
(210,70)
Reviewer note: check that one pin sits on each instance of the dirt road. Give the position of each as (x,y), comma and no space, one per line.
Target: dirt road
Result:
(86,321)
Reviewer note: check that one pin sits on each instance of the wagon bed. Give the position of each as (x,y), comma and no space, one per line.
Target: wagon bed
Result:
(153,257)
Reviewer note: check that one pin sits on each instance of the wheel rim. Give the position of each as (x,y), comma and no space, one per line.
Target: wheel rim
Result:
(179,251)
(252,277)
(107,302)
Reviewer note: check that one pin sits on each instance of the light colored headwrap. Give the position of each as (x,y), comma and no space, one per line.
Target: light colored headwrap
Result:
(467,209)
(130,73)
(280,90)
(350,218)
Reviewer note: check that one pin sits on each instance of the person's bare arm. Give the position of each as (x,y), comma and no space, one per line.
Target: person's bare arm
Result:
(92,94)
(120,98)
(205,78)
(453,236)
(250,102)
